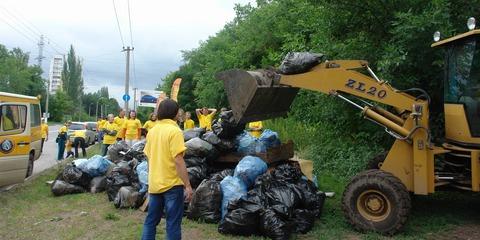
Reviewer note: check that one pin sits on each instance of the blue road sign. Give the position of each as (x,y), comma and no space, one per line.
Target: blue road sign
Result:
(126,97)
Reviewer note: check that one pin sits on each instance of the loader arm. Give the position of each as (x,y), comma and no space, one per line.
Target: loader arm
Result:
(265,94)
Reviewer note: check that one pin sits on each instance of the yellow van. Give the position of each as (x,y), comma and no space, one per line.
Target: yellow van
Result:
(20,136)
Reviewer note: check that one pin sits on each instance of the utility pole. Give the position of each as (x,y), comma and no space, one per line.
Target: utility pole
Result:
(127,75)
(40,57)
(135,99)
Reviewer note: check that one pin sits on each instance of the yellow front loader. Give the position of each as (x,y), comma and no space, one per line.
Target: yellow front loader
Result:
(378,199)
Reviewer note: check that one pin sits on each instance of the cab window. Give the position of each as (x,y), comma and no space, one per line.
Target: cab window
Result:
(12,119)
(35,115)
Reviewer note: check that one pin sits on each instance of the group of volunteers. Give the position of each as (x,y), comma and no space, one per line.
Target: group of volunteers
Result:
(169,185)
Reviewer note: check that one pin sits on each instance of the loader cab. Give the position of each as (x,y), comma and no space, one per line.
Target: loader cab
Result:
(462,88)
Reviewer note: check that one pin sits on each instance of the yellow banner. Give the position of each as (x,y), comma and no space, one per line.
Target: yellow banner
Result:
(175,89)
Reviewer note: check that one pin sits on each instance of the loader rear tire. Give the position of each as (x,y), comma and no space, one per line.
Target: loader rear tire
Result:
(375,200)
(377,161)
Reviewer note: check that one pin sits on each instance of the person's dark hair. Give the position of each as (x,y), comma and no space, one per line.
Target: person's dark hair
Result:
(167,109)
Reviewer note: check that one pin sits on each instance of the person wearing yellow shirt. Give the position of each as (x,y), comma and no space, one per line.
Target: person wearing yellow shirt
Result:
(205,117)
(168,183)
(79,141)
(61,139)
(100,125)
(132,128)
(189,123)
(255,128)
(110,130)
(120,120)
(68,148)
(152,121)
(44,129)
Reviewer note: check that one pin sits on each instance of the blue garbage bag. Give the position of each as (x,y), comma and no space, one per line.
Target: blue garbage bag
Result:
(246,144)
(233,189)
(142,172)
(269,138)
(249,168)
(95,166)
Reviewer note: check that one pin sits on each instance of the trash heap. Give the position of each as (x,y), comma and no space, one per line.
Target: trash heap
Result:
(253,201)
(123,174)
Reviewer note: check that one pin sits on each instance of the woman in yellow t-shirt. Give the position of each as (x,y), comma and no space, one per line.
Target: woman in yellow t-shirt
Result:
(120,120)
(110,130)
(205,117)
(189,123)
(132,128)
(151,122)
(255,128)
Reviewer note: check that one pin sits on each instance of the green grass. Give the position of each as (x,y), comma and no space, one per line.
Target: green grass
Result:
(30,211)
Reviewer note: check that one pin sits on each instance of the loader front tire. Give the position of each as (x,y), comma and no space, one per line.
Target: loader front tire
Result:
(375,200)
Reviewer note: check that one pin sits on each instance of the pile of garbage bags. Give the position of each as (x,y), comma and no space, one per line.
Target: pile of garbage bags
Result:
(123,174)
(249,145)
(253,201)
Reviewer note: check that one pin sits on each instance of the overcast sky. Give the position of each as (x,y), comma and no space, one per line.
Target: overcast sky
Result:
(160,30)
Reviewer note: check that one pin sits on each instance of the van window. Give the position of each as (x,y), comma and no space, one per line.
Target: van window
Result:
(12,119)
(35,115)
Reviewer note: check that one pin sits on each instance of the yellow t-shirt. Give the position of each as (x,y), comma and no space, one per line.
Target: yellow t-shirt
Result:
(188,124)
(79,133)
(164,143)
(119,121)
(132,126)
(107,139)
(149,124)
(256,133)
(101,124)
(205,121)
(63,129)
(44,129)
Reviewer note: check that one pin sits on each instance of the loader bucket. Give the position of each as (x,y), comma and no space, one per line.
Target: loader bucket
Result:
(254,95)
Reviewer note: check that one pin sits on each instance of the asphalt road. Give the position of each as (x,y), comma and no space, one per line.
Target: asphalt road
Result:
(48,158)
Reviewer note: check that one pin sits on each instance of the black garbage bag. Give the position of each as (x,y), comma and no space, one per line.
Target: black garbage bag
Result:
(242,218)
(198,148)
(115,150)
(196,175)
(74,175)
(136,151)
(98,184)
(116,180)
(211,138)
(299,62)
(312,200)
(285,196)
(195,161)
(60,188)
(303,220)
(274,226)
(128,197)
(226,126)
(193,133)
(219,176)
(287,172)
(206,202)
(227,145)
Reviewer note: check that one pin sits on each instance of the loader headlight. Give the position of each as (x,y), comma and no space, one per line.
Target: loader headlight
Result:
(471,23)
(436,36)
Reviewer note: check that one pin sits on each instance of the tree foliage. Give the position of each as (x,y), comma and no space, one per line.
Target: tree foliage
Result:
(393,36)
(72,76)
(16,76)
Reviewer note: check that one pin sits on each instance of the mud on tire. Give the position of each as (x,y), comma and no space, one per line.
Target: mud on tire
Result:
(376,200)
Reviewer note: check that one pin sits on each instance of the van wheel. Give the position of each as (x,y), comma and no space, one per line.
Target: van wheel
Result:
(376,200)
(30,164)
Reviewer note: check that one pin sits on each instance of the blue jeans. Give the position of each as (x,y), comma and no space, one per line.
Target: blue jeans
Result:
(172,201)
(61,149)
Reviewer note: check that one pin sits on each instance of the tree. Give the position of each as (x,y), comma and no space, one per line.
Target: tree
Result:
(72,76)
(61,107)
(17,77)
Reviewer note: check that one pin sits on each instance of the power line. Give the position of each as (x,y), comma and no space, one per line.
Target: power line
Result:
(118,23)
(31,29)
(18,31)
